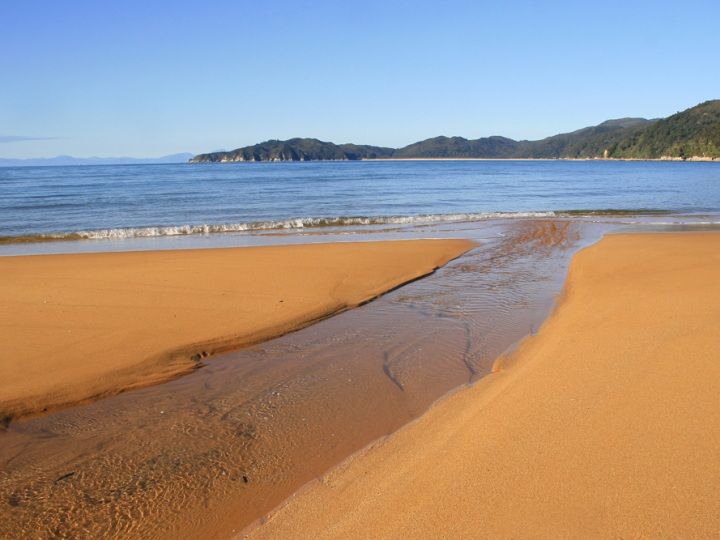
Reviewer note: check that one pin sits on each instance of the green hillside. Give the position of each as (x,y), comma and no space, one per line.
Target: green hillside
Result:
(691,133)
(458,147)
(588,142)
(296,150)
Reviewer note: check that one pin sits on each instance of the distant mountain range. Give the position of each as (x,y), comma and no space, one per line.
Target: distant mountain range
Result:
(691,134)
(70,160)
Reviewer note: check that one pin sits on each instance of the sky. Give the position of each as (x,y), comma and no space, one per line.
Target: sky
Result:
(149,78)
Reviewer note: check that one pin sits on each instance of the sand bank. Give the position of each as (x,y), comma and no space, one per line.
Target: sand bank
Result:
(604,424)
(81,326)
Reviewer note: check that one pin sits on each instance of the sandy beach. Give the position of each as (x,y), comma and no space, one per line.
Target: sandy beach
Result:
(604,424)
(207,454)
(82,326)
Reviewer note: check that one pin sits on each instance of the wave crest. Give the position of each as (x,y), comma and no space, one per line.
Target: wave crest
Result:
(288,224)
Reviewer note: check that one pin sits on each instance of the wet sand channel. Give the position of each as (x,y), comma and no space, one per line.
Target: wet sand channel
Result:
(207,454)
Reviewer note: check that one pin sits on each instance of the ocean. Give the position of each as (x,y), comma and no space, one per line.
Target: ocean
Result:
(120,202)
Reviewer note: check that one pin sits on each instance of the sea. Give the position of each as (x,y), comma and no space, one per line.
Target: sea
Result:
(107,206)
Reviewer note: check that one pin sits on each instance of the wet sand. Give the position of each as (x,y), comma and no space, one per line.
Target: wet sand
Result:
(604,424)
(83,326)
(204,455)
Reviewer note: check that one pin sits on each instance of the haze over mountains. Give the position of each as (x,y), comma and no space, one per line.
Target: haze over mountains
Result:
(691,134)
(70,160)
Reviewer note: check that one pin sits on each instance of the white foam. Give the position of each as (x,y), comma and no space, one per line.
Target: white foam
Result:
(295,223)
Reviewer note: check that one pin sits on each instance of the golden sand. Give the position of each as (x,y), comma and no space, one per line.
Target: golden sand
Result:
(77,327)
(605,424)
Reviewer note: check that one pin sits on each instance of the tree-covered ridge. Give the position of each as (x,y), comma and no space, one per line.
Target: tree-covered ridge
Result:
(691,133)
(694,133)
(587,142)
(458,147)
(296,150)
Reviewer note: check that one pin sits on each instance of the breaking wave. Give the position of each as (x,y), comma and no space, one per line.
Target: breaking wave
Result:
(317,222)
(286,224)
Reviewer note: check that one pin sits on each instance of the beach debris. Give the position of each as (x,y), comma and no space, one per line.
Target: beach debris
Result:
(198,356)
(64,477)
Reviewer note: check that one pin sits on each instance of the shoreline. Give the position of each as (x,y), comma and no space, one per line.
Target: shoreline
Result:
(435,458)
(225,445)
(692,159)
(317,225)
(65,311)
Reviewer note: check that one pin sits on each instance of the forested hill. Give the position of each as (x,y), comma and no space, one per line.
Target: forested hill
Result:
(691,134)
(297,150)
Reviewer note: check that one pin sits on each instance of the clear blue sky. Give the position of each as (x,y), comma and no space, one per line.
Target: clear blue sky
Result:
(147,78)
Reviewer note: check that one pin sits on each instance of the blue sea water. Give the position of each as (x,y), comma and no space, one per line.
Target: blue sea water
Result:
(124,201)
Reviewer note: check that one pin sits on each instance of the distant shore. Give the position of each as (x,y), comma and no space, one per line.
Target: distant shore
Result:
(84,326)
(604,424)
(693,159)
(689,135)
